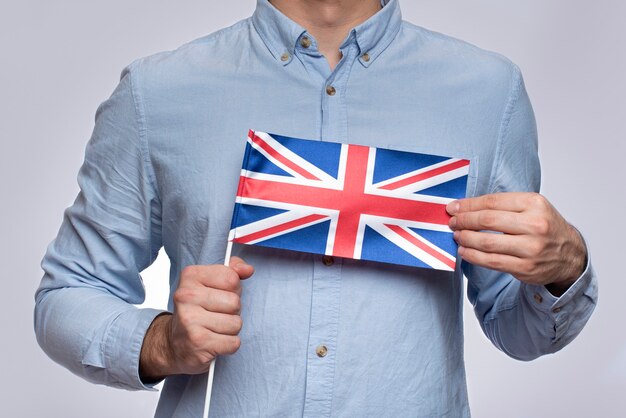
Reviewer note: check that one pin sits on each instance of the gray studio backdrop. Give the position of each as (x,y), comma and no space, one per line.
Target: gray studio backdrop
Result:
(61,58)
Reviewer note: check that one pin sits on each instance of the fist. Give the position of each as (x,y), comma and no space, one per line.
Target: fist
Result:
(534,244)
(205,322)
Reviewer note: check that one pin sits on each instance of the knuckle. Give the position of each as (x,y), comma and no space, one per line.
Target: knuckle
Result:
(235,344)
(459,237)
(230,279)
(495,262)
(196,338)
(230,345)
(537,200)
(490,243)
(188,272)
(237,323)
(228,302)
(491,201)
(235,303)
(541,226)
(529,267)
(183,295)
(487,219)
(186,320)
(536,248)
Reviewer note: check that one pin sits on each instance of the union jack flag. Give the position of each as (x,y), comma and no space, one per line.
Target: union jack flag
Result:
(348,201)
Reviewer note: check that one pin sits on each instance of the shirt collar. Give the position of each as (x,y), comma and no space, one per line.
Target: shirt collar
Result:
(281,34)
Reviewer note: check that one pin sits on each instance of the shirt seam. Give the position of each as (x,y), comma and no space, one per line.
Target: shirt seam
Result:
(142,131)
(144,149)
(515,88)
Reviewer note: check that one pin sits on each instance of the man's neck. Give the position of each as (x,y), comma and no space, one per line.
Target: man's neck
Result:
(329,21)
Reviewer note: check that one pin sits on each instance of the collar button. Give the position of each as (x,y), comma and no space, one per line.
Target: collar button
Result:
(305,42)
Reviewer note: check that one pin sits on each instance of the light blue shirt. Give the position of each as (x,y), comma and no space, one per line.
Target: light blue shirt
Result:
(162,167)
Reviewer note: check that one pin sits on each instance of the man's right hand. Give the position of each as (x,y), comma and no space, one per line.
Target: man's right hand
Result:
(205,322)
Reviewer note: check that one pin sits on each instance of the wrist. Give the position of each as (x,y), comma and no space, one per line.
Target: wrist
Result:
(155,360)
(576,259)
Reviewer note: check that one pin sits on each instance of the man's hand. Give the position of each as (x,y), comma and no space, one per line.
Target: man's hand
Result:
(536,244)
(205,322)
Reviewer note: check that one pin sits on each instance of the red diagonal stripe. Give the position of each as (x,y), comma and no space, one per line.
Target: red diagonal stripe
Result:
(278,228)
(425,175)
(284,160)
(404,234)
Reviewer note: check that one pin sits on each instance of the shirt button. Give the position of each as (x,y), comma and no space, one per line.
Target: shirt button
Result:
(305,42)
(556,310)
(538,298)
(328,260)
(284,57)
(330,90)
(365,57)
(321,351)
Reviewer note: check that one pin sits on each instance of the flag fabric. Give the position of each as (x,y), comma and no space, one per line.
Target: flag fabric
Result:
(347,200)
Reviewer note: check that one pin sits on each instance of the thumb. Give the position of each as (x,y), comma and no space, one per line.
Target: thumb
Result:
(243,269)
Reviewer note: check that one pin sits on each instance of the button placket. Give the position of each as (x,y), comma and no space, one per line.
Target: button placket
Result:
(323,335)
(334,110)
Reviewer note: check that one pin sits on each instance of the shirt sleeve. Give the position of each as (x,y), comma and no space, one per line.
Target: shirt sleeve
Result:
(84,314)
(525,321)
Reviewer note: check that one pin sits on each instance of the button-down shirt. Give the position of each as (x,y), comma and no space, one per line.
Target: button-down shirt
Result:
(322,336)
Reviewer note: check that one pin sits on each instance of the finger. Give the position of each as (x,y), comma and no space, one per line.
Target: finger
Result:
(226,344)
(223,324)
(214,300)
(490,220)
(205,340)
(243,269)
(501,262)
(513,202)
(515,245)
(214,276)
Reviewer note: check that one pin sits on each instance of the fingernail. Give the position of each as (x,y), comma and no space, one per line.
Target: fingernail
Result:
(457,235)
(453,207)
(460,250)
(452,223)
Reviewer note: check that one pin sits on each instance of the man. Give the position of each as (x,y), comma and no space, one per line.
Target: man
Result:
(322,336)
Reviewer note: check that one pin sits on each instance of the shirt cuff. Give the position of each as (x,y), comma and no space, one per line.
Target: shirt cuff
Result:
(568,310)
(122,347)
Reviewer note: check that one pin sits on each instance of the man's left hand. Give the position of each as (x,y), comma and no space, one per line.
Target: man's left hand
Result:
(535,243)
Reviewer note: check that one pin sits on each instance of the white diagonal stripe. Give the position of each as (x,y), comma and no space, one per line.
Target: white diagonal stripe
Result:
(408,196)
(404,223)
(290,155)
(416,172)
(271,222)
(309,210)
(434,180)
(412,249)
(300,181)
